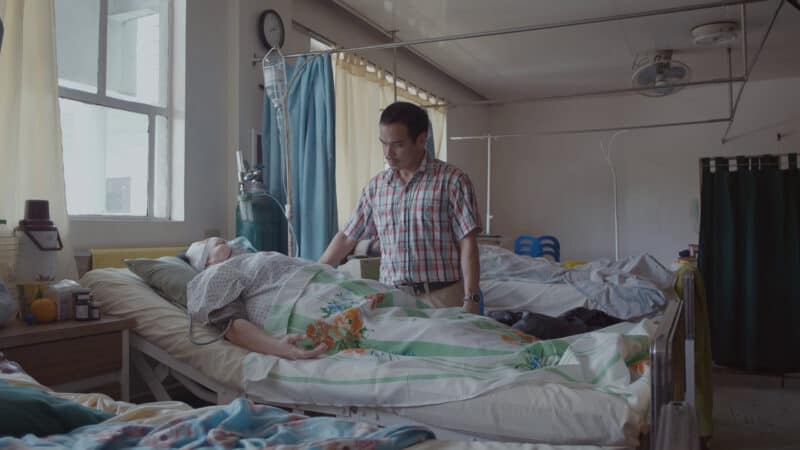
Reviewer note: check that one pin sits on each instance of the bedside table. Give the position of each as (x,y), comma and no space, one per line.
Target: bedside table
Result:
(73,356)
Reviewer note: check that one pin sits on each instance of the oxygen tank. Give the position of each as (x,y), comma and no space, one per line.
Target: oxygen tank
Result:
(259,217)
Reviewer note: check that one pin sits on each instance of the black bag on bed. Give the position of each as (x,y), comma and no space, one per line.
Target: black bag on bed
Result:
(574,321)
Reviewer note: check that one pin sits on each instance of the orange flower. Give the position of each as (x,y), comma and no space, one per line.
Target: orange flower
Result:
(509,339)
(328,342)
(351,314)
(356,324)
(310,330)
(639,367)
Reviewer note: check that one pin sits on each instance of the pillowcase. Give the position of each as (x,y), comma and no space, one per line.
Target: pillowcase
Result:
(27,410)
(167,275)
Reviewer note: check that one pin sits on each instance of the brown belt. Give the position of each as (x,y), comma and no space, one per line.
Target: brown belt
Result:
(424,288)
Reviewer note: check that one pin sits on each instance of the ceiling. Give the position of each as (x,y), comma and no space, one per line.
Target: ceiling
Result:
(578,58)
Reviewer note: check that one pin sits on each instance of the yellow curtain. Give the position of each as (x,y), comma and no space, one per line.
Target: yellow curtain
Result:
(31,163)
(362,91)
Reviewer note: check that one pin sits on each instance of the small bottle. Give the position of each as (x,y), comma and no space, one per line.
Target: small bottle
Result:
(82,307)
(94,310)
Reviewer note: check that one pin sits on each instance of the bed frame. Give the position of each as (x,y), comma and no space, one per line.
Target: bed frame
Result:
(669,376)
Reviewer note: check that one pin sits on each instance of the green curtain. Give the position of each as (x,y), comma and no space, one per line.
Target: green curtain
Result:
(750,259)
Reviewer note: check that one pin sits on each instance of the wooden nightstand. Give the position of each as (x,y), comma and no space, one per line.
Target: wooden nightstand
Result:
(73,356)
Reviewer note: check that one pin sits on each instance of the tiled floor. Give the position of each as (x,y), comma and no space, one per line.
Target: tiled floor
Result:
(753,412)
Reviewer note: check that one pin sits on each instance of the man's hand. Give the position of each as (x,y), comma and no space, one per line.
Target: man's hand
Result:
(470,269)
(288,348)
(340,246)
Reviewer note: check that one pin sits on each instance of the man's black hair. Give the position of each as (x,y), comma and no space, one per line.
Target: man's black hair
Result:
(409,114)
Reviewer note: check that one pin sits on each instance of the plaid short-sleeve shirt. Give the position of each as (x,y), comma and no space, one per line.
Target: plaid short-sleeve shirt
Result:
(419,223)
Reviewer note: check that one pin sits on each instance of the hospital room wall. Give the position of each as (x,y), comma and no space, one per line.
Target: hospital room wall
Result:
(561,184)
(339,26)
(223,106)
(334,23)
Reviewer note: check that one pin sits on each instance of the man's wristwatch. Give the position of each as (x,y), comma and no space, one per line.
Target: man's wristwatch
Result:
(474,298)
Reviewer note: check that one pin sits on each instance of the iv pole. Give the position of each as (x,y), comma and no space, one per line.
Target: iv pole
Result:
(277,89)
(489,138)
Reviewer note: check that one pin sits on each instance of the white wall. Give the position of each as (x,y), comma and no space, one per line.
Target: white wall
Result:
(561,185)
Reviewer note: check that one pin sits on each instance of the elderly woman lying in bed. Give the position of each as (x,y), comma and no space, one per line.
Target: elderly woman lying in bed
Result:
(276,305)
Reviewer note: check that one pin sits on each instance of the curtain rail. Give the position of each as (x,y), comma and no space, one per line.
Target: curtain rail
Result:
(751,161)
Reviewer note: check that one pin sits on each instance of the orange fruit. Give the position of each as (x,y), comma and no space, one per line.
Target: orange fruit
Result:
(44,310)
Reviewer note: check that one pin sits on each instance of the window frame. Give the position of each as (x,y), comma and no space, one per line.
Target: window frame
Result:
(101,98)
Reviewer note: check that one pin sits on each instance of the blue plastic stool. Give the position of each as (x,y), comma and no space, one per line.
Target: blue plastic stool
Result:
(538,246)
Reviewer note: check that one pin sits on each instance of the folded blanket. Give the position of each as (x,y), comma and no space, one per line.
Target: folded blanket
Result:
(629,288)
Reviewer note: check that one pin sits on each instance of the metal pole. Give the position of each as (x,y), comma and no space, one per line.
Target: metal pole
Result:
(290,250)
(744,39)
(394,64)
(522,29)
(489,137)
(633,127)
(495,136)
(750,69)
(689,342)
(489,184)
(730,84)
(593,93)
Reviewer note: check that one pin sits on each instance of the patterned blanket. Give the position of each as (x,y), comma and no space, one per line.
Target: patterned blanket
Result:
(239,425)
(386,349)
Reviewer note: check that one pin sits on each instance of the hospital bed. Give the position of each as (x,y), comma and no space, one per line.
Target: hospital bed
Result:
(551,413)
(166,417)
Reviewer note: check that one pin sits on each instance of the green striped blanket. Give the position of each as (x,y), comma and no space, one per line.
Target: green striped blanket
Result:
(389,349)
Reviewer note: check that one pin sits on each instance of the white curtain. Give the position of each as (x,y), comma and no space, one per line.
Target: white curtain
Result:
(31,164)
(362,91)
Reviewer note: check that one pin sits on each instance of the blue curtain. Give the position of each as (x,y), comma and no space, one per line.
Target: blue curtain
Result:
(430,146)
(311,127)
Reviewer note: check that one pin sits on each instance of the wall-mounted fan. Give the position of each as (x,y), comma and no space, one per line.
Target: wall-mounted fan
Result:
(659,73)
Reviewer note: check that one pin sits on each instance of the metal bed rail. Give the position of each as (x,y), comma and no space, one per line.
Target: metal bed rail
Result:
(666,369)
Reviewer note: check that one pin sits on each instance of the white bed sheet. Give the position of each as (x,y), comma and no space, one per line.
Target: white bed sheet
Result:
(548,299)
(630,288)
(552,413)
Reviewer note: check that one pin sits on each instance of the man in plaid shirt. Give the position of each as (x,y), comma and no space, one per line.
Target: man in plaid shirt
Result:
(423,211)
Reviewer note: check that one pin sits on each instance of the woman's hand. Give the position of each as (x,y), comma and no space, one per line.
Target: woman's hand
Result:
(287,346)
(250,337)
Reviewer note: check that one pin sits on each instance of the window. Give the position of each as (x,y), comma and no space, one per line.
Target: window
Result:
(114,77)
